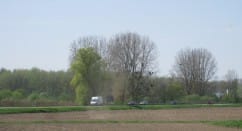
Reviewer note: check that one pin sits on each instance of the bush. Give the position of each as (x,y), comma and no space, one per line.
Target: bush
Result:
(228,99)
(64,97)
(43,95)
(196,99)
(17,95)
(207,99)
(191,99)
(33,96)
(5,94)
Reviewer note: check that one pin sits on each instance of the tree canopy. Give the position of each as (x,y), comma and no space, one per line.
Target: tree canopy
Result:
(86,66)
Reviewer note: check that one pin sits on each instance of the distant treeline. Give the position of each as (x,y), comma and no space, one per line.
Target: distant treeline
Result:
(36,87)
(121,69)
(31,86)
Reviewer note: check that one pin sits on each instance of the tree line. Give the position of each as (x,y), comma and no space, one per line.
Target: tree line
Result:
(121,69)
(28,87)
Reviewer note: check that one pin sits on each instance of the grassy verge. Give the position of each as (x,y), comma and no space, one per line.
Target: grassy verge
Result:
(96,122)
(229,123)
(160,107)
(15,110)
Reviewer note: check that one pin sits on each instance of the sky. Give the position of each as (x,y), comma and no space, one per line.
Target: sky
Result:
(39,33)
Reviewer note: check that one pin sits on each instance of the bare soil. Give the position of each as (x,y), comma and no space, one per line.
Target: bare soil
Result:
(115,127)
(198,114)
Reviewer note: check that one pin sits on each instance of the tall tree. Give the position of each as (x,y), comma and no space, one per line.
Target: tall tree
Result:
(86,68)
(232,84)
(102,78)
(195,67)
(99,44)
(240,89)
(132,55)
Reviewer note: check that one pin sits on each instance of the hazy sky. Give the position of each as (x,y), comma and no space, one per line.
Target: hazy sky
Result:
(39,33)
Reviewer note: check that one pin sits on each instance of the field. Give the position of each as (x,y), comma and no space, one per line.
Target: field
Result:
(105,119)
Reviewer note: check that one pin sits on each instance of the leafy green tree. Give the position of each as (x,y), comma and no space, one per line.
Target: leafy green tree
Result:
(86,67)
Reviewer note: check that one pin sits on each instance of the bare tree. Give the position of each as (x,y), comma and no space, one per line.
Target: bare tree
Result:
(99,44)
(232,84)
(195,67)
(133,55)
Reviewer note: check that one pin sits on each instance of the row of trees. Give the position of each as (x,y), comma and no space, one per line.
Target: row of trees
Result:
(38,87)
(34,84)
(125,59)
(122,67)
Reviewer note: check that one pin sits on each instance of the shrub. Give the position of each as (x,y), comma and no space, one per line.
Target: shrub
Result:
(17,95)
(5,94)
(43,95)
(207,99)
(33,96)
(196,99)
(64,97)
(228,99)
(191,99)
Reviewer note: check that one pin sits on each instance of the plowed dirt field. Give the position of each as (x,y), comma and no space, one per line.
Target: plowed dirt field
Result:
(171,118)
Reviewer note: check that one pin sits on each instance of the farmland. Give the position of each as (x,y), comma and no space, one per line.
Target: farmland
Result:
(202,118)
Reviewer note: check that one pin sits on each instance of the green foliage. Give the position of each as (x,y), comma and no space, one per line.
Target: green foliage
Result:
(18,85)
(174,91)
(81,95)
(11,95)
(87,69)
(191,98)
(228,99)
(84,62)
(240,92)
(5,94)
(166,90)
(43,95)
(34,96)
(229,123)
(17,95)
(196,99)
(15,110)
(65,97)
(205,99)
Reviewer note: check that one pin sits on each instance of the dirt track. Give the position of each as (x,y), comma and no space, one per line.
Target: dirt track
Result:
(154,115)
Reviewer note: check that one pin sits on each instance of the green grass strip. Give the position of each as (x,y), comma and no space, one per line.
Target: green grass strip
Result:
(228,123)
(17,110)
(159,107)
(94,122)
(53,109)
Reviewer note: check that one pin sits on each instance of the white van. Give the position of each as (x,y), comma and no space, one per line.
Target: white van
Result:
(96,100)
